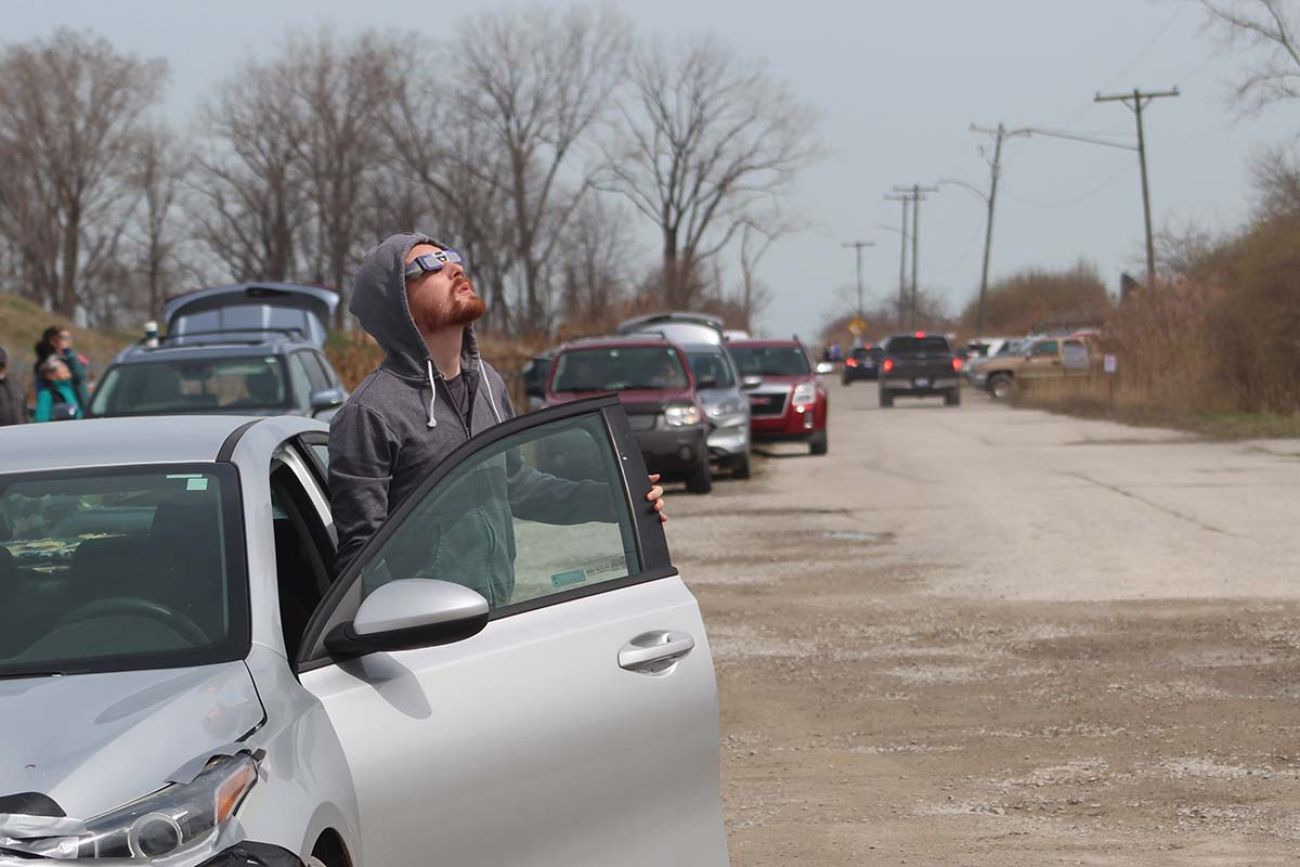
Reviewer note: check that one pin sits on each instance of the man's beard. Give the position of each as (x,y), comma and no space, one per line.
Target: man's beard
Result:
(466,310)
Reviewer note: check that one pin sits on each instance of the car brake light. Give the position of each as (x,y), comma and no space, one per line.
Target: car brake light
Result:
(851,362)
(956,363)
(888,365)
(920,334)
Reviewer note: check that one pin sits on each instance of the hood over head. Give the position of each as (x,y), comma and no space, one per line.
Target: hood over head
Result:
(380,305)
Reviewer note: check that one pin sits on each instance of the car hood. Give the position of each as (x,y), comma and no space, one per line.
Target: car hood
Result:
(634,400)
(93,742)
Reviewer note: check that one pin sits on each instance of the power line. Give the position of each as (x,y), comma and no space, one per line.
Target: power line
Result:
(916,194)
(857,249)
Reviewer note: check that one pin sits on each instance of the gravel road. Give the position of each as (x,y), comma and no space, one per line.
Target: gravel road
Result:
(985,636)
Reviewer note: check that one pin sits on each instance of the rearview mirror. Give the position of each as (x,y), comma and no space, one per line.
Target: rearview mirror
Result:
(751,382)
(825,367)
(410,613)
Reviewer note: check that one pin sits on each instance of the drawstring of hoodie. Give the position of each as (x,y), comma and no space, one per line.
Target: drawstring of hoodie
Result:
(488,385)
(433,392)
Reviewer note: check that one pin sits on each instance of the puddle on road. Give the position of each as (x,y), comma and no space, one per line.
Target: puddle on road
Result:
(855,536)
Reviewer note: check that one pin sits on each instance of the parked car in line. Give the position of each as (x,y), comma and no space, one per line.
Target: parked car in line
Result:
(1044,356)
(919,365)
(863,362)
(184,681)
(534,374)
(787,402)
(726,406)
(653,379)
(973,370)
(249,348)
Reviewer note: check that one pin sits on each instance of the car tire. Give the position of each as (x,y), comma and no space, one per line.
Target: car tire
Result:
(700,481)
(953,397)
(1000,386)
(819,444)
(844,380)
(740,469)
(886,399)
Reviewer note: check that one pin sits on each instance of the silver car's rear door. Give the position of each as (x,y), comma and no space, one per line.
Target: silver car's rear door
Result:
(580,726)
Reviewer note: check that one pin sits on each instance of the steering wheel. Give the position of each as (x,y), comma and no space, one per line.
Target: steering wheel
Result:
(136,607)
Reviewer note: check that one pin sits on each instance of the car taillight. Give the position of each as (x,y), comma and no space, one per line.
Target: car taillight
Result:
(851,362)
(888,365)
(956,363)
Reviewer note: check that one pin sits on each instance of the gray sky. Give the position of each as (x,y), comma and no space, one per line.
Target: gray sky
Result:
(896,84)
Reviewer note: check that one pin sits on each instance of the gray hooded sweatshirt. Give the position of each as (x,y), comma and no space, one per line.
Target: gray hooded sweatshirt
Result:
(401,422)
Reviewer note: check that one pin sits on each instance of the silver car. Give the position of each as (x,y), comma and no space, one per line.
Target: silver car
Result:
(183,681)
(719,390)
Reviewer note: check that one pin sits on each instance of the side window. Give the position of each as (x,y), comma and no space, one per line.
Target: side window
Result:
(1075,354)
(538,513)
(1047,347)
(316,374)
(303,547)
(302,386)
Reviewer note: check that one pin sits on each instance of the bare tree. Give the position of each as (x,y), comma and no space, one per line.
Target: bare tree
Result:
(69,108)
(705,137)
(538,83)
(595,263)
(757,235)
(159,167)
(1272,29)
(251,206)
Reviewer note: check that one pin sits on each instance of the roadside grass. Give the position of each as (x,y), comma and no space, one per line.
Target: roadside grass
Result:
(1214,425)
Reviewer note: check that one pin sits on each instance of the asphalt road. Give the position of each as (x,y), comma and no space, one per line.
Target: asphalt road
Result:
(985,636)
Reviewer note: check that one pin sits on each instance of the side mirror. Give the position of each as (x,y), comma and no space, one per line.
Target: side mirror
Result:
(824,367)
(707,382)
(410,613)
(325,398)
(749,383)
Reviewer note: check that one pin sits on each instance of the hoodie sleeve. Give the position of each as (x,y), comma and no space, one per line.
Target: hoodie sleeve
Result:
(363,452)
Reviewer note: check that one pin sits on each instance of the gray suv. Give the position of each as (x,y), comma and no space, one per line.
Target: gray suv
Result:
(250,349)
(726,406)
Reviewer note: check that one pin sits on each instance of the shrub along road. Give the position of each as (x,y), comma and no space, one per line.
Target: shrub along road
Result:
(986,636)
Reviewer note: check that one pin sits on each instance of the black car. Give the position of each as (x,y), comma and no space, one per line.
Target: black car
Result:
(919,365)
(863,363)
(248,349)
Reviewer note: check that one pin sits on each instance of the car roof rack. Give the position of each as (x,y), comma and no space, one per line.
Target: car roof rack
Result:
(228,335)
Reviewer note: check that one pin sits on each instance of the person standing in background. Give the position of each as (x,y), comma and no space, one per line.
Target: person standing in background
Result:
(56,400)
(56,342)
(13,402)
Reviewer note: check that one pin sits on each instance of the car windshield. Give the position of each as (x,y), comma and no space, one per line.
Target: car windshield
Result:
(192,385)
(112,569)
(771,360)
(711,365)
(619,368)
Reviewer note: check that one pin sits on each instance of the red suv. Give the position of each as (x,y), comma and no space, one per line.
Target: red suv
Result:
(654,381)
(787,402)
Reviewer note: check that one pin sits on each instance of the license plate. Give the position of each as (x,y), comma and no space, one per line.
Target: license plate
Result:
(922,383)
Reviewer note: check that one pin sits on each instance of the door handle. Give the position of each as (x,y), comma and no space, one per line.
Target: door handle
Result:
(655,652)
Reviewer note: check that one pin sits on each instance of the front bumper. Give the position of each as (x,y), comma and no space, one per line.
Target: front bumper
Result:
(672,453)
(249,854)
(731,441)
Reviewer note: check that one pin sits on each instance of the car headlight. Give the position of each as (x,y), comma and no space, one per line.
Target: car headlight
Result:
(805,393)
(681,415)
(169,820)
(726,408)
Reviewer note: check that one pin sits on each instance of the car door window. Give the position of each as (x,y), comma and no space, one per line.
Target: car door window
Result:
(534,515)
(315,374)
(298,377)
(1044,349)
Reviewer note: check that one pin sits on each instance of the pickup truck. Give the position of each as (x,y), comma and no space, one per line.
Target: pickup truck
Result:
(919,365)
(1045,356)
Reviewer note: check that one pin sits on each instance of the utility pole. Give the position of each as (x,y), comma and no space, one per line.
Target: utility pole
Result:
(902,257)
(1137,101)
(916,193)
(999,135)
(857,247)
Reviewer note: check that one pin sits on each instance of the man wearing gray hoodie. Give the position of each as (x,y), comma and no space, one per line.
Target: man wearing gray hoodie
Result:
(432,393)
